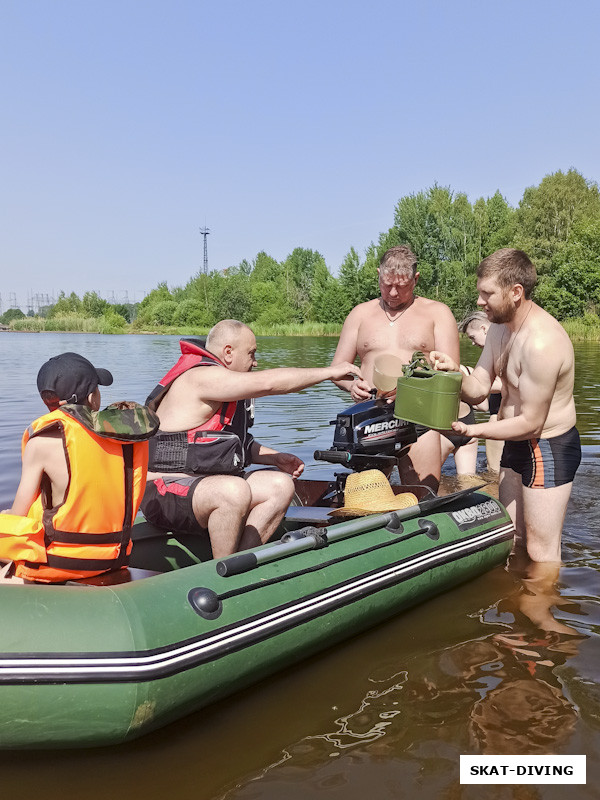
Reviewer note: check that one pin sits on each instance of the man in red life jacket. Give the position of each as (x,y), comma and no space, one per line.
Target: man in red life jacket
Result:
(195,473)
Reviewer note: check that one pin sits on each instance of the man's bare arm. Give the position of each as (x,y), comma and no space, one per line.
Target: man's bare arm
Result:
(347,350)
(537,384)
(219,384)
(286,462)
(476,386)
(347,347)
(445,333)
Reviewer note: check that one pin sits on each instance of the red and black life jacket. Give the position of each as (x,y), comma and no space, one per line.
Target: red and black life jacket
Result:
(219,446)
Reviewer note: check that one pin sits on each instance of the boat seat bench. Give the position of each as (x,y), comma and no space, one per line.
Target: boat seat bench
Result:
(309,515)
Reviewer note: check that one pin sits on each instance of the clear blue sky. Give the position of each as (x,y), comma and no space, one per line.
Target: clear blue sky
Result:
(129,124)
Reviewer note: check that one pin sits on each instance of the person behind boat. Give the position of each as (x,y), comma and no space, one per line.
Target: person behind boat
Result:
(476,326)
(400,323)
(533,356)
(463,448)
(82,479)
(196,474)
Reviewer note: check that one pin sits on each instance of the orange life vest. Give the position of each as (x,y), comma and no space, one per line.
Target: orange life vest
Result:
(89,532)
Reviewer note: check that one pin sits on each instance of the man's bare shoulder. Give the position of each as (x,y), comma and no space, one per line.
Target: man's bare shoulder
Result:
(554,326)
(432,306)
(194,379)
(201,373)
(362,310)
(547,335)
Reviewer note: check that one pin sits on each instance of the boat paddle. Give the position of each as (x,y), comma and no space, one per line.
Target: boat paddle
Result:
(314,538)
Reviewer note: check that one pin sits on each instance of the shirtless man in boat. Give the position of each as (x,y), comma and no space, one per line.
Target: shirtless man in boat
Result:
(533,356)
(399,322)
(211,491)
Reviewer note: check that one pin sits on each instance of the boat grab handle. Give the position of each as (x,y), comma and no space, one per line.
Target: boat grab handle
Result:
(307,539)
(242,562)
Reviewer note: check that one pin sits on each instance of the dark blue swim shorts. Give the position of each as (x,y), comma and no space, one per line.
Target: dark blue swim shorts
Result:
(543,463)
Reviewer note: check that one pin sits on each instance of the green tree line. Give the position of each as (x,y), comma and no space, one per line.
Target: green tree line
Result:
(557,223)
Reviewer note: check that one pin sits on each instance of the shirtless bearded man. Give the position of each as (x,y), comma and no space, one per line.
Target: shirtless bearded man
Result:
(533,356)
(399,323)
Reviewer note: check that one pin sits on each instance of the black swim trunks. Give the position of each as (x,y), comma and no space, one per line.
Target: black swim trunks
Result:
(543,463)
(457,439)
(167,503)
(494,401)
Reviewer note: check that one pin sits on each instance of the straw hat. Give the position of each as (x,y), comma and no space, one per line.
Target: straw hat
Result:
(369,492)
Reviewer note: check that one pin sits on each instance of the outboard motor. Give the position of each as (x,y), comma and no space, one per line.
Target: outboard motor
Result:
(368,436)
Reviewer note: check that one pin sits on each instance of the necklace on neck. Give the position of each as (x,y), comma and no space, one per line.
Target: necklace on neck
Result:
(504,357)
(395,319)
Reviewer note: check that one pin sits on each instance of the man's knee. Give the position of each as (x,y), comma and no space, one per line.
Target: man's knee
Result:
(428,445)
(283,486)
(222,490)
(423,462)
(272,485)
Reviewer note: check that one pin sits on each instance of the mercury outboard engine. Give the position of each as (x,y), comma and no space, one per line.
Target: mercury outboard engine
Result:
(368,436)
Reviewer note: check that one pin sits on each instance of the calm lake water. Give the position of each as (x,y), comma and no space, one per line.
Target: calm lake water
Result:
(506,664)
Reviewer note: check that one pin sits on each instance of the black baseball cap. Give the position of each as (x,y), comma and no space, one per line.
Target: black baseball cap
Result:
(71,377)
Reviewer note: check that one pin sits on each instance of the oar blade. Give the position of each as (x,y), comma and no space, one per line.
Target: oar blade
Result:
(436,502)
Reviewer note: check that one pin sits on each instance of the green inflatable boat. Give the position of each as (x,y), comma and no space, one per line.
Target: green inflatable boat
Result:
(128,652)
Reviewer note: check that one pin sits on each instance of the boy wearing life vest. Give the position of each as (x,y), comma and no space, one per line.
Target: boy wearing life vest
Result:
(196,477)
(82,480)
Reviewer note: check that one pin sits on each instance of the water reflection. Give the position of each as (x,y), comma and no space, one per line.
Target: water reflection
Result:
(497,693)
(526,711)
